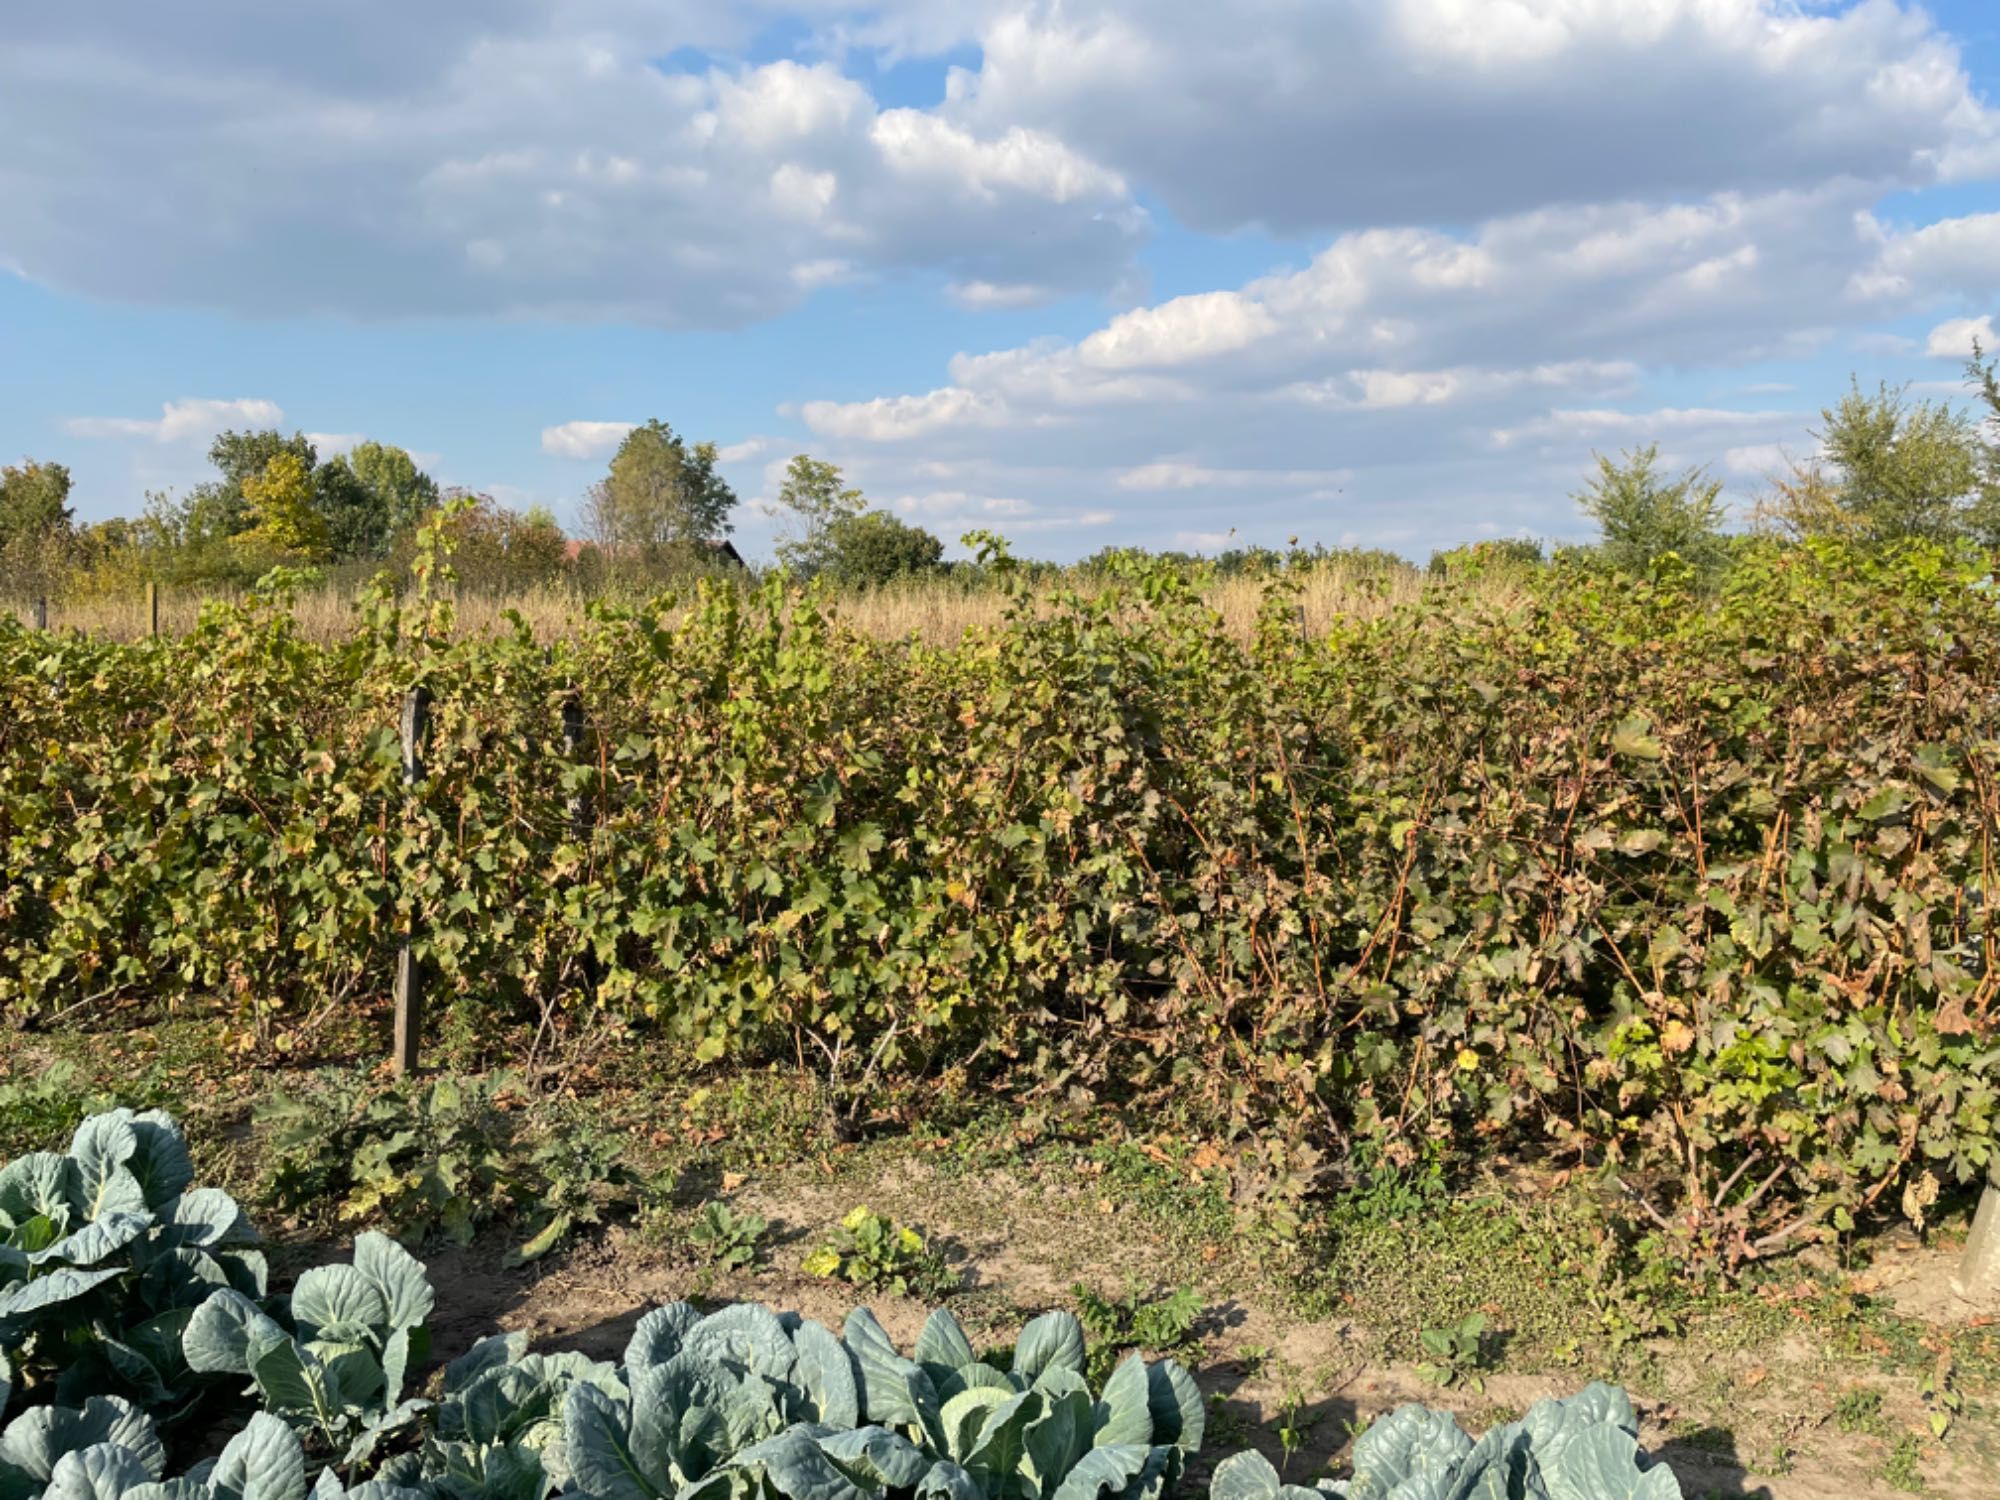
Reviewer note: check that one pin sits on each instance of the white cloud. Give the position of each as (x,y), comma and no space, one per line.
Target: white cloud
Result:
(1597,427)
(1959,257)
(515,159)
(1399,387)
(1307,115)
(896,419)
(978,294)
(1954,339)
(192,420)
(584,439)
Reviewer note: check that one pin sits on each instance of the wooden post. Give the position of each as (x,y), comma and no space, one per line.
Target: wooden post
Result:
(152,611)
(573,727)
(580,809)
(1978,1278)
(409,973)
(41,611)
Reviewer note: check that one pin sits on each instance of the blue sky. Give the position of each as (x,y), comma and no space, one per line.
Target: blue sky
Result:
(1381,272)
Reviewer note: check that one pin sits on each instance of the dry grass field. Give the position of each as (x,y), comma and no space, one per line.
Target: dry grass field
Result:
(933,611)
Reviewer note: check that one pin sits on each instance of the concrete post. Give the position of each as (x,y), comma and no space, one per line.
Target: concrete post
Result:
(1978,1278)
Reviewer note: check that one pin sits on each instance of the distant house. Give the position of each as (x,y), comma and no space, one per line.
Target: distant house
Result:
(723,552)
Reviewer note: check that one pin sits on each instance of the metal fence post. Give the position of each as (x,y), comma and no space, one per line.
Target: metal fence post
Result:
(152,611)
(409,973)
(41,611)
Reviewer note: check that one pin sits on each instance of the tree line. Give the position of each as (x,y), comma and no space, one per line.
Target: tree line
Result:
(662,511)
(1886,467)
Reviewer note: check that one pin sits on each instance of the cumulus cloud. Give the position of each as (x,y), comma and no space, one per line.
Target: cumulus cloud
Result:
(1955,338)
(1957,256)
(194,420)
(584,439)
(890,419)
(1404,383)
(1301,115)
(520,159)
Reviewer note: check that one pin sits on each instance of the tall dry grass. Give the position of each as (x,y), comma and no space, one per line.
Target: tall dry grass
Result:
(936,611)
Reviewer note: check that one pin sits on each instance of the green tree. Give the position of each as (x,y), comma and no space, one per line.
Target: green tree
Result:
(1643,514)
(1888,469)
(36,525)
(876,548)
(661,494)
(817,496)
(357,524)
(286,525)
(34,501)
(397,493)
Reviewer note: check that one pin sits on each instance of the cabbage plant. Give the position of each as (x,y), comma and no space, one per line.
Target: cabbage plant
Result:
(105,1252)
(1583,1447)
(85,1459)
(745,1402)
(337,1372)
(497,1430)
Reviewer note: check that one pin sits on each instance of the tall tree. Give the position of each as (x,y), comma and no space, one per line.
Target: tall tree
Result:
(216,510)
(34,501)
(1643,514)
(286,526)
(661,493)
(36,525)
(817,496)
(397,494)
(1888,469)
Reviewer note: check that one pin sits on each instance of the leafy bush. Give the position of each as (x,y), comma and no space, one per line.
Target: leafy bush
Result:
(429,1160)
(1585,1446)
(105,1253)
(571,1177)
(873,1251)
(1695,889)
(440,1160)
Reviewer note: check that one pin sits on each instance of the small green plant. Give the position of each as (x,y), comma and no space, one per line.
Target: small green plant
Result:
(1900,1469)
(873,1251)
(574,1176)
(1385,1191)
(1942,1400)
(1859,1411)
(1294,1430)
(1157,1324)
(731,1239)
(1455,1353)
